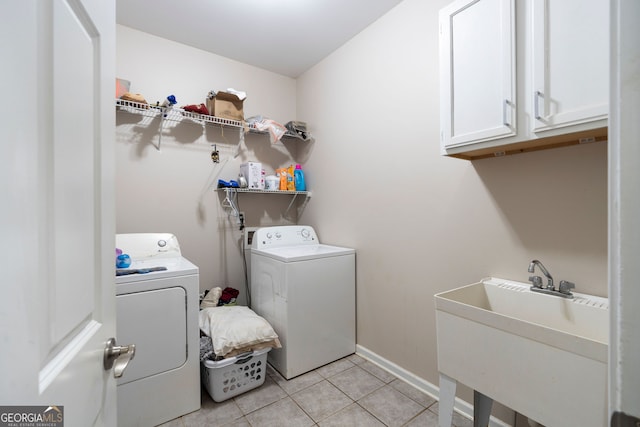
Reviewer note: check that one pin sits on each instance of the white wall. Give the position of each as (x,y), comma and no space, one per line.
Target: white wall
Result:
(171,190)
(423,223)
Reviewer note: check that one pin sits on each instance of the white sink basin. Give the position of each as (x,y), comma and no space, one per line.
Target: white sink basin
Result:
(543,356)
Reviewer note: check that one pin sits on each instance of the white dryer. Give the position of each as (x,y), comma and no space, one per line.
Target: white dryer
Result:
(306,290)
(158,312)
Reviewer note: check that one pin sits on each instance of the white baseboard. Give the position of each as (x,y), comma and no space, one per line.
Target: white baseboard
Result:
(460,406)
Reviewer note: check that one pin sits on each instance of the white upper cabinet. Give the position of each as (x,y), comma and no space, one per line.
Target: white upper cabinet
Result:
(520,75)
(478,67)
(570,62)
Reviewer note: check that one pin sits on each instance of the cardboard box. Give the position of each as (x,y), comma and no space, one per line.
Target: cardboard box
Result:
(226,105)
(122,87)
(252,172)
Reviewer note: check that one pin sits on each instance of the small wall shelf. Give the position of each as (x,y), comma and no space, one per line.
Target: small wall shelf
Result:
(232,192)
(252,190)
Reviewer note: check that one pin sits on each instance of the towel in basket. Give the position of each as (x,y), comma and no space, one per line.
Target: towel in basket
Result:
(236,329)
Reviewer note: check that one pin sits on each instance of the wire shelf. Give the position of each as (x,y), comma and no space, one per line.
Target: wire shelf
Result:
(176,114)
(253,190)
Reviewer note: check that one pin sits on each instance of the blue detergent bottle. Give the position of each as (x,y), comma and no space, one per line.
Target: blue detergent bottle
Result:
(298,177)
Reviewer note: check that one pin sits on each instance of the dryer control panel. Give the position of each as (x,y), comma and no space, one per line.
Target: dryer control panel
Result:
(288,235)
(142,246)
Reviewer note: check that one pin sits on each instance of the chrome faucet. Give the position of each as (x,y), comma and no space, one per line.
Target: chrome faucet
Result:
(536,280)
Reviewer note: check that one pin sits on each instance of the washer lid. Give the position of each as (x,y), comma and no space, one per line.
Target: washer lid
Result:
(177,266)
(303,252)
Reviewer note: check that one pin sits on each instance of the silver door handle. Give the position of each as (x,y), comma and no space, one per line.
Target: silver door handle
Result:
(536,105)
(117,355)
(505,106)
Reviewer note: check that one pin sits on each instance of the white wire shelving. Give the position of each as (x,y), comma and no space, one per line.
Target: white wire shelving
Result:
(175,114)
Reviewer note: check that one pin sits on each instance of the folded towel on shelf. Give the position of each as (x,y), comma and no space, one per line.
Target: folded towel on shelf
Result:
(298,129)
(199,109)
(275,129)
(133,97)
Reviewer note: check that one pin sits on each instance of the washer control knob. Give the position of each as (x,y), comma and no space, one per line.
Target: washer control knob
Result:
(305,233)
(278,235)
(269,235)
(162,243)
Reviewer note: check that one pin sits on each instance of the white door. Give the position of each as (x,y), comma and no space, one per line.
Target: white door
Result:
(57,309)
(570,43)
(624,211)
(477,71)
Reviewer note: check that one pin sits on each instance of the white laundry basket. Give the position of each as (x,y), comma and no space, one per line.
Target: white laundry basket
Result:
(232,376)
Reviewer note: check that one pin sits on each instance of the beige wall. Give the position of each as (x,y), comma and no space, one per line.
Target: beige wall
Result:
(171,190)
(421,223)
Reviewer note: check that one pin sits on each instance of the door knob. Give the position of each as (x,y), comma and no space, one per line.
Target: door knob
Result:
(118,355)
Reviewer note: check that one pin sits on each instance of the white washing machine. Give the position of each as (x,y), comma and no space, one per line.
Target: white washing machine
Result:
(158,312)
(306,290)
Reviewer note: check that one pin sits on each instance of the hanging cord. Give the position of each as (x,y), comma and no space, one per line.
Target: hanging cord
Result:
(242,251)
(247,286)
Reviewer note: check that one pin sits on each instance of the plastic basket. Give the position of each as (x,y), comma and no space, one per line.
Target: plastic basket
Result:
(230,377)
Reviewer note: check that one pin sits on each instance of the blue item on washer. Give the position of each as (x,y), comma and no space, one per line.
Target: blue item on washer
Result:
(230,184)
(123,261)
(125,271)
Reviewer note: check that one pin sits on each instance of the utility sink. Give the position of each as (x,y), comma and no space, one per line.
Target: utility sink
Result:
(541,355)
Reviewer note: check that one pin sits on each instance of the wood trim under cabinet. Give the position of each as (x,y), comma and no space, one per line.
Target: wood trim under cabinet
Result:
(594,135)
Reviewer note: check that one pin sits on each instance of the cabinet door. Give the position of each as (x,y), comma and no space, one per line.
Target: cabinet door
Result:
(570,46)
(477,71)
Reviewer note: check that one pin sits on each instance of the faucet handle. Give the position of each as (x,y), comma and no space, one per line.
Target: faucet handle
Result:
(536,281)
(565,287)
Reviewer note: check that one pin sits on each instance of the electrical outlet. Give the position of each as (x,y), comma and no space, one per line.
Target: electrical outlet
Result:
(248,236)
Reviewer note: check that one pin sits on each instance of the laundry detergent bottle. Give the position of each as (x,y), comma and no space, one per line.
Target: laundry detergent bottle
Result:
(298,177)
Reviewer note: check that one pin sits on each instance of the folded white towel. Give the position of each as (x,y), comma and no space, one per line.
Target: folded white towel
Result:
(234,327)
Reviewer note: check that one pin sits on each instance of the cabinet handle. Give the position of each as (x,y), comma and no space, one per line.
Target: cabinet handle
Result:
(505,106)
(536,104)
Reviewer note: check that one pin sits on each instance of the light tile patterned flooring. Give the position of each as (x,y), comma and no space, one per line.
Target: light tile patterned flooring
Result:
(349,392)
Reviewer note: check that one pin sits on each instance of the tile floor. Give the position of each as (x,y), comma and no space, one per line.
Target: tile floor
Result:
(349,392)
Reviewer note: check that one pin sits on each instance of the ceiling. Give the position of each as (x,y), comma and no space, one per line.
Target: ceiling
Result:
(284,36)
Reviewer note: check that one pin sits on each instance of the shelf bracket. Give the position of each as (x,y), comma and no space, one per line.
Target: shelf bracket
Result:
(293,199)
(304,203)
(162,116)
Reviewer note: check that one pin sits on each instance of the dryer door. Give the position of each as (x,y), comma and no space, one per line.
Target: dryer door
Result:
(156,321)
